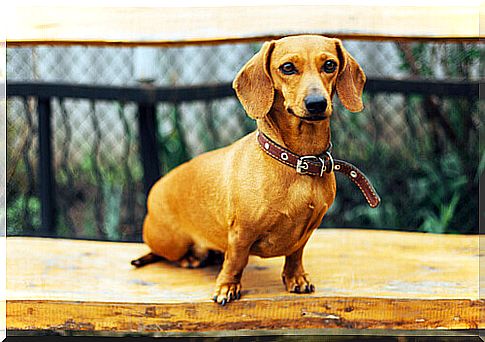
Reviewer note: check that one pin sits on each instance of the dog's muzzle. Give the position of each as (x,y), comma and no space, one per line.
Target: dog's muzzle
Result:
(315,104)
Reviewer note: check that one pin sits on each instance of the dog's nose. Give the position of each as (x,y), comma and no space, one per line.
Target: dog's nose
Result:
(315,104)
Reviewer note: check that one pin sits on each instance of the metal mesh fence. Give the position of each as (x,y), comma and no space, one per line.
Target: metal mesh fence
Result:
(219,63)
(422,152)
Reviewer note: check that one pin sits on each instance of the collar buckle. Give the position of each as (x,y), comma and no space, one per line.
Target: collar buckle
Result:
(302,164)
(330,159)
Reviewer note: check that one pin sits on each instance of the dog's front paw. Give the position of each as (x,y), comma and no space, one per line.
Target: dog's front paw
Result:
(226,292)
(298,283)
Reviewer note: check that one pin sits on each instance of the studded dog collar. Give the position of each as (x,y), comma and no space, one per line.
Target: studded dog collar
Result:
(319,165)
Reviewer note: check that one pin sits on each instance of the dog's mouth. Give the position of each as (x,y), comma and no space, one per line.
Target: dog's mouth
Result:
(314,118)
(308,118)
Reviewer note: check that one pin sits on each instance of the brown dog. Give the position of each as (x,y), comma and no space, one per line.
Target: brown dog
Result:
(240,201)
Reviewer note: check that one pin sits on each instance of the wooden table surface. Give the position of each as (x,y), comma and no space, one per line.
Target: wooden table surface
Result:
(364,280)
(185,25)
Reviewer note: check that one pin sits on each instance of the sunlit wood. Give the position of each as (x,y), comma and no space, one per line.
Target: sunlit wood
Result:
(364,279)
(160,26)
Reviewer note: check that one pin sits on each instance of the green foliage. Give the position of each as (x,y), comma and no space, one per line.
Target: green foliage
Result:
(112,195)
(427,194)
(440,223)
(173,145)
(427,170)
(17,210)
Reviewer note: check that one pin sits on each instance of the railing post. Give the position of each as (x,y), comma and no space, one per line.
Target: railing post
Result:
(46,176)
(147,130)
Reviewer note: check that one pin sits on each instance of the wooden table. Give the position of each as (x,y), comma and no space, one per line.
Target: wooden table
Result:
(364,280)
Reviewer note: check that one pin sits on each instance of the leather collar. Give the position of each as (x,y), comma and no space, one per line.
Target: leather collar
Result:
(320,165)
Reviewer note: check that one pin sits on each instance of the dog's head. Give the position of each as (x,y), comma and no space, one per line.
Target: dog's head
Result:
(306,71)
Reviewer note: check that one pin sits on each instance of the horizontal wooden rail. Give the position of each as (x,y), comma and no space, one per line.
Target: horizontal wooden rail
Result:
(145,94)
(167,26)
(139,94)
(364,280)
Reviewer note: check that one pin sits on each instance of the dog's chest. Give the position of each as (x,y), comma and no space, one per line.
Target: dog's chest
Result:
(291,215)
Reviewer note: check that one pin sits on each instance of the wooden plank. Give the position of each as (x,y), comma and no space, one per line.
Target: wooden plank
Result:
(195,25)
(285,313)
(482,19)
(364,280)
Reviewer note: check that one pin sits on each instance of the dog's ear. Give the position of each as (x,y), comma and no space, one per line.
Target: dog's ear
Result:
(253,83)
(350,81)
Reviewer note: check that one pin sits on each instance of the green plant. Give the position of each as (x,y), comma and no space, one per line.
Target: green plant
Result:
(20,210)
(428,172)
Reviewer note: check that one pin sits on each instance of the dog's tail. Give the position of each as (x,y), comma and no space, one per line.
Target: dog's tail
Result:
(149,258)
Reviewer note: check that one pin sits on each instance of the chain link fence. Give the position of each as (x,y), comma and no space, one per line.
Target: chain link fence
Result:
(422,152)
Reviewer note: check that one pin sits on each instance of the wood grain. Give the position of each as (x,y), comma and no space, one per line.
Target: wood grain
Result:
(284,313)
(364,280)
(172,25)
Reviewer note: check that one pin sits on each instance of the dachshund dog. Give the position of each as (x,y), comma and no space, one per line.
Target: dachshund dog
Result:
(240,201)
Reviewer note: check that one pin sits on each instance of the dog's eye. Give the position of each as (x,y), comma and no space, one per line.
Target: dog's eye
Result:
(329,66)
(288,68)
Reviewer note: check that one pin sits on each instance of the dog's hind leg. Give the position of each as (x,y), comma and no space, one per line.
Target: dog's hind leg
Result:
(168,241)
(165,238)
(195,257)
(146,259)
(198,256)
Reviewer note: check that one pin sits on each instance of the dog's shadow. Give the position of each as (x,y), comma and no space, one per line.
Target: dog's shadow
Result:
(167,280)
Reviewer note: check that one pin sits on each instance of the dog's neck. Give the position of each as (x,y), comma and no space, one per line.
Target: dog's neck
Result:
(298,136)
